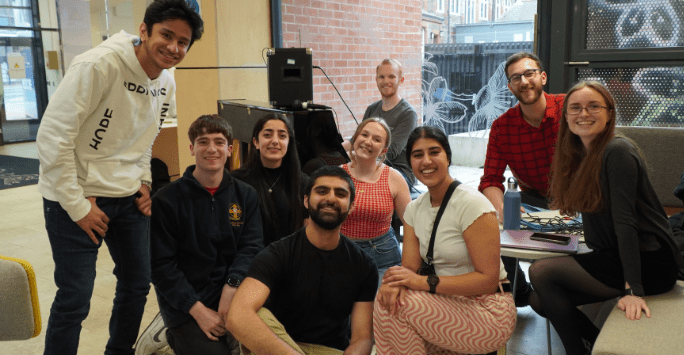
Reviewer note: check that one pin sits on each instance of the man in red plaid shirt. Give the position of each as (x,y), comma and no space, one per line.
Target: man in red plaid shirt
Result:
(523,139)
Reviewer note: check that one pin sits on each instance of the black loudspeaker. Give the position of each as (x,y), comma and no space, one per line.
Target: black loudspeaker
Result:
(289,76)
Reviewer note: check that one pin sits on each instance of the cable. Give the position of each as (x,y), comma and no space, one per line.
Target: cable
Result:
(338,93)
(262,55)
(555,224)
(337,119)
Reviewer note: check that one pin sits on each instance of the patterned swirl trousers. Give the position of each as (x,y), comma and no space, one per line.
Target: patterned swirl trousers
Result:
(443,324)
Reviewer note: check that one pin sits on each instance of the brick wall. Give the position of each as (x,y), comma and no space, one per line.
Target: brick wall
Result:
(349,39)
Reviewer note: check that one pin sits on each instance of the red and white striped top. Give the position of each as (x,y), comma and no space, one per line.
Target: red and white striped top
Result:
(373,208)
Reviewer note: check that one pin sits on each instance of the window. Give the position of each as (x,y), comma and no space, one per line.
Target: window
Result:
(484,10)
(440,5)
(499,11)
(470,11)
(634,48)
(453,6)
(464,93)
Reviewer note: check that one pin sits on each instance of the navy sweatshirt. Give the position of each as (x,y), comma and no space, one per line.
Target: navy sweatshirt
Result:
(198,241)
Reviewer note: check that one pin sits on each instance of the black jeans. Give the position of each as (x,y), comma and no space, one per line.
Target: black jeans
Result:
(189,339)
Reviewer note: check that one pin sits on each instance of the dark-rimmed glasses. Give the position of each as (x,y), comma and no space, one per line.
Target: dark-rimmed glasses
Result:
(591,109)
(528,74)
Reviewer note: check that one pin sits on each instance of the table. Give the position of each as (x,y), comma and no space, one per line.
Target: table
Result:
(535,255)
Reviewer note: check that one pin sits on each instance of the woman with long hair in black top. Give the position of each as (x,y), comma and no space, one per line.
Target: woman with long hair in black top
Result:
(602,176)
(273,169)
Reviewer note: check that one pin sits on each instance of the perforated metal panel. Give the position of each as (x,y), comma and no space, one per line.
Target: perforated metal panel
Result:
(622,24)
(644,96)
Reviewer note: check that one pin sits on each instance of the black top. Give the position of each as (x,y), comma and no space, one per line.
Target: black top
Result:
(274,180)
(198,241)
(312,291)
(631,218)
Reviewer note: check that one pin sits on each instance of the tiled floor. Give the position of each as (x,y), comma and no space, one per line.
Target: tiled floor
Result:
(22,235)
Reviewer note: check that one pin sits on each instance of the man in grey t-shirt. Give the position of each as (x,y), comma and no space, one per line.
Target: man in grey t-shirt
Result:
(400,116)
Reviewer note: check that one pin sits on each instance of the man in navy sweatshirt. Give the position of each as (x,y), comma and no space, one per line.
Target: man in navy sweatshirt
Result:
(206,229)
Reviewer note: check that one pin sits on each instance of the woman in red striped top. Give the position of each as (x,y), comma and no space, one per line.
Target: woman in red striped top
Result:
(380,190)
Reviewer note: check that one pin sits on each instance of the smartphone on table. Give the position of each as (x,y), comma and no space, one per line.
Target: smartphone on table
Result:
(551,238)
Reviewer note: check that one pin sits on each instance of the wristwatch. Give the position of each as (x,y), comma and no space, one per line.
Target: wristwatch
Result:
(147,183)
(433,280)
(629,292)
(233,282)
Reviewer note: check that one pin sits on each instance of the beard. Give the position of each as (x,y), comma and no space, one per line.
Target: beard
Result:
(537,90)
(327,221)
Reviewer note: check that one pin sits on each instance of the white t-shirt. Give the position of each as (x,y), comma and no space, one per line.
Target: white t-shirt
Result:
(450,256)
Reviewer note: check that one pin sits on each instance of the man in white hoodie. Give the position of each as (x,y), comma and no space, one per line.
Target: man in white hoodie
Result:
(94,146)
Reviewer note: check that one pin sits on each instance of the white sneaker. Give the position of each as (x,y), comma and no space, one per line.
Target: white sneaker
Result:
(153,340)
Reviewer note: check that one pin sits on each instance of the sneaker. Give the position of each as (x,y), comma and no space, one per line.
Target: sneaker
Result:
(153,340)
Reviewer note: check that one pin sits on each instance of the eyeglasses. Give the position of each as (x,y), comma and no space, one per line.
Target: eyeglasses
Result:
(591,109)
(528,74)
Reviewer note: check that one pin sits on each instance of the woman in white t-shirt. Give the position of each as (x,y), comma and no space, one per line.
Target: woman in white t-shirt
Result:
(463,308)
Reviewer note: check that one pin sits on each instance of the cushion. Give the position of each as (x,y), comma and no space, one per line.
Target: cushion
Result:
(19,309)
(660,334)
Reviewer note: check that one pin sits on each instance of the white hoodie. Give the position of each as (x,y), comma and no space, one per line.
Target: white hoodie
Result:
(96,135)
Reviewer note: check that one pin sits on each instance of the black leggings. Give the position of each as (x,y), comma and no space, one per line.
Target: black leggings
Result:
(560,285)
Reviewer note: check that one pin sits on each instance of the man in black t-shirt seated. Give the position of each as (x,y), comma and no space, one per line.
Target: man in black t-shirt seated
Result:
(302,291)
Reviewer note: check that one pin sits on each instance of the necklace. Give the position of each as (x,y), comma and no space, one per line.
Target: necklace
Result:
(270,188)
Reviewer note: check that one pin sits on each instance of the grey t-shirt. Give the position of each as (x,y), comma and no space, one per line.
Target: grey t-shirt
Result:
(402,120)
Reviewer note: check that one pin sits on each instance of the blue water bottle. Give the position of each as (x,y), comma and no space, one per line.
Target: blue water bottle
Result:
(511,209)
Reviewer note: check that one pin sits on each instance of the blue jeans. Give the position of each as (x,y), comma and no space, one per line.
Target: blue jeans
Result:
(75,255)
(384,250)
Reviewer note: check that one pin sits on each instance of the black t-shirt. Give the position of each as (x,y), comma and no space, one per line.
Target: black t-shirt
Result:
(312,291)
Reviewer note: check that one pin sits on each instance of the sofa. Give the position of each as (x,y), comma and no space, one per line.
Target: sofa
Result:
(663,332)
(662,149)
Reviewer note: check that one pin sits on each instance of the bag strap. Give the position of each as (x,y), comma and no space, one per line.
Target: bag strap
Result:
(442,207)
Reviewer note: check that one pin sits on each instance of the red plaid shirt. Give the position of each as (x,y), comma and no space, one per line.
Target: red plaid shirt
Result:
(528,151)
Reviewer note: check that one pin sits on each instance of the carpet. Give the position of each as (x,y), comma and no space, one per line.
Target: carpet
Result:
(16,171)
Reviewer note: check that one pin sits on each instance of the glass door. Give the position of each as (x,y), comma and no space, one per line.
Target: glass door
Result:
(23,75)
